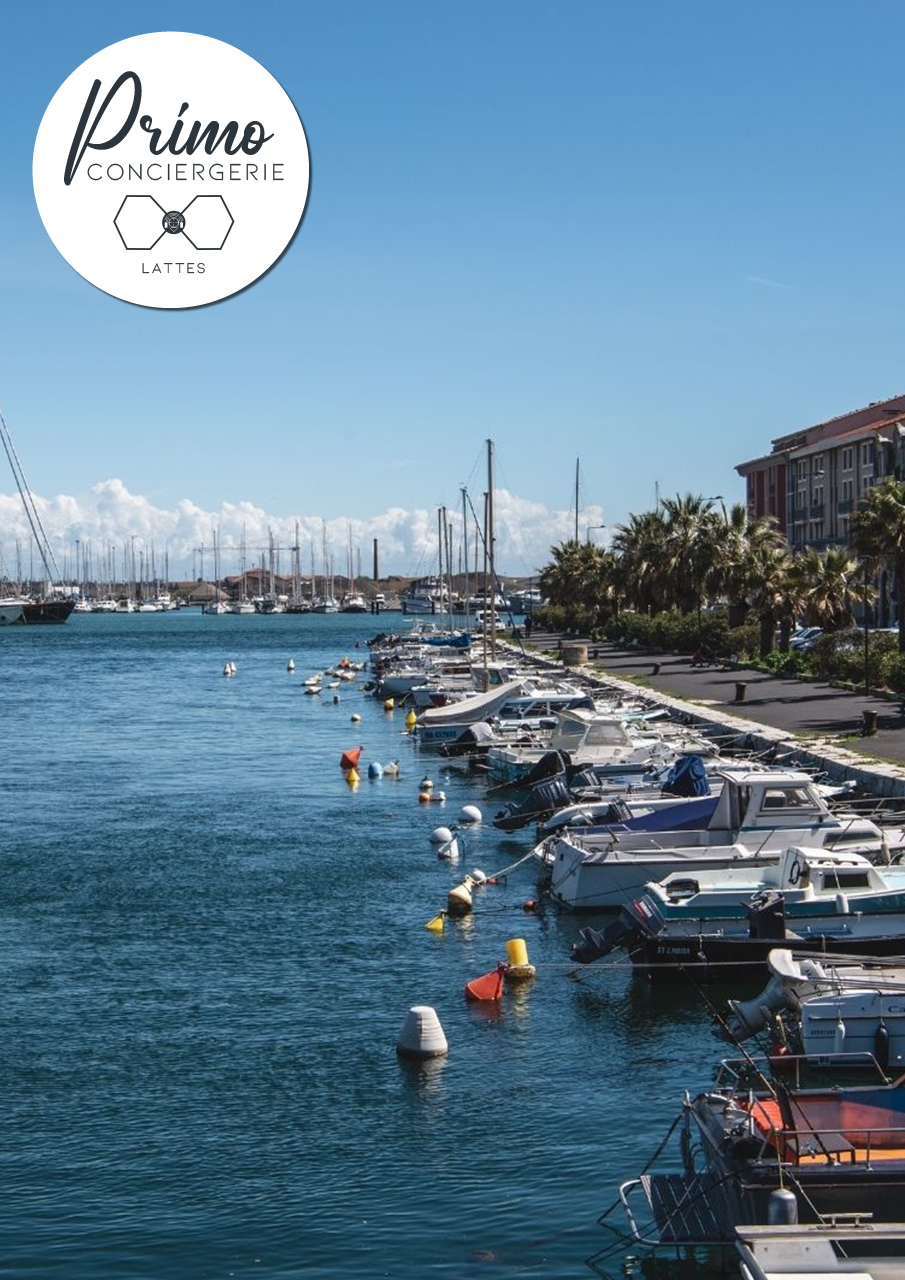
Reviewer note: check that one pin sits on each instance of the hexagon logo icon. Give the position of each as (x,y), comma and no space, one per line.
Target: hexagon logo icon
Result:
(171,170)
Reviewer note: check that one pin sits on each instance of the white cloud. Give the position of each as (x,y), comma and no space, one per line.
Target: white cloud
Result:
(111,514)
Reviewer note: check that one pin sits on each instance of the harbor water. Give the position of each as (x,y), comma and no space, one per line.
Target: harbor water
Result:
(208,944)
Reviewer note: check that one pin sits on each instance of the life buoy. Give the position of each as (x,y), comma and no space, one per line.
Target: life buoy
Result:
(795,872)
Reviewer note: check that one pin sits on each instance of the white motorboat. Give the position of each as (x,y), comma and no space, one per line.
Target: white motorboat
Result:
(847,1009)
(757,814)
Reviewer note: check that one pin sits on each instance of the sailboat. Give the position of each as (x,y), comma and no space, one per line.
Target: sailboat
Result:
(216,606)
(243,604)
(52,605)
(326,604)
(353,601)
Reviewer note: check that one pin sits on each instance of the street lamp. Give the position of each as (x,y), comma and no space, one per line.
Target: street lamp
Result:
(718,497)
(590,528)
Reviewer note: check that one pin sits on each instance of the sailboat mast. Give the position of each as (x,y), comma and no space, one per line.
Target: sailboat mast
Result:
(577,460)
(490,552)
(465,553)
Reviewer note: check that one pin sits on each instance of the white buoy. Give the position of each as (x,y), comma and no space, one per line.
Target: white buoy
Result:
(290,665)
(449,851)
(375,770)
(233,668)
(422,1035)
(427,784)
(441,835)
(390,770)
(471,815)
(478,876)
(227,671)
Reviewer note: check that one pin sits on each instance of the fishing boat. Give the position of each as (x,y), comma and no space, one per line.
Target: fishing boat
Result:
(427,595)
(758,813)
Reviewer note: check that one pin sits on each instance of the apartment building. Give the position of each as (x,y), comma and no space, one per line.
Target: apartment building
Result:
(812,479)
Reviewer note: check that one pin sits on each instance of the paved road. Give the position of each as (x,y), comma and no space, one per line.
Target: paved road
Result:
(798,706)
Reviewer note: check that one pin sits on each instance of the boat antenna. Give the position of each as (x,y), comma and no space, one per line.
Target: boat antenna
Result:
(31,511)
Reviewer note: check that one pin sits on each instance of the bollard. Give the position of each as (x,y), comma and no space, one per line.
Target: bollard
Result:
(870,723)
(741,691)
(656,669)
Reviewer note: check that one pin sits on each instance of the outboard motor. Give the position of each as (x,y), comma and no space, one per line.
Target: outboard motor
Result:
(594,944)
(541,801)
(767,917)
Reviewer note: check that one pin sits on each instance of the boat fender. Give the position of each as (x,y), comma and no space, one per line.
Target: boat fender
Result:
(881,1047)
(782,1208)
(839,1036)
(842,905)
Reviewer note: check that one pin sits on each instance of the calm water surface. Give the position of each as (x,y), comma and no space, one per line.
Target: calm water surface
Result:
(208,943)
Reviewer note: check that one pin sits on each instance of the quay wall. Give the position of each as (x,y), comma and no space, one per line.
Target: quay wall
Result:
(881,777)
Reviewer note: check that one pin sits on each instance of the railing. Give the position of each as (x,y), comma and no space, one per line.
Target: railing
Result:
(845,506)
(823,1140)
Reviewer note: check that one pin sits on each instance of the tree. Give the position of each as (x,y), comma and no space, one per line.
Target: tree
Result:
(877,531)
(830,585)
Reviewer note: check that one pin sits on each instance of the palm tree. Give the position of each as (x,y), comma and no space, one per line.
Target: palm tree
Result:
(877,531)
(639,548)
(830,586)
(767,568)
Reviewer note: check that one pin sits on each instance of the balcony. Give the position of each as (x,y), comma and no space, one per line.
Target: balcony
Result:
(845,506)
(816,510)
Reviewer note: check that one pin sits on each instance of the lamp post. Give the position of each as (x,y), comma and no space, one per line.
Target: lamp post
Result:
(589,530)
(866,633)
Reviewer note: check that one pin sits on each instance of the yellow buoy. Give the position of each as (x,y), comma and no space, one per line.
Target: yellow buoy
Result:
(352,775)
(411,720)
(389,705)
(517,967)
(438,923)
(458,900)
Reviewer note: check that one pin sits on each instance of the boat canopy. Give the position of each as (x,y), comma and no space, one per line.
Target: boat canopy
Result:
(468,710)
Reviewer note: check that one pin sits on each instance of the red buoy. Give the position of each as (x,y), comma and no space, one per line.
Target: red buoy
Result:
(530,904)
(349,759)
(488,987)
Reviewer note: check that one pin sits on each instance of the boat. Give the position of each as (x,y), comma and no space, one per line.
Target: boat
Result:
(836,1010)
(10,611)
(727,921)
(427,595)
(53,606)
(50,609)
(759,812)
(857,1248)
(585,737)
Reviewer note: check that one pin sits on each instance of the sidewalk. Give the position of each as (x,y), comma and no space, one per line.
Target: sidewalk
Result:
(793,706)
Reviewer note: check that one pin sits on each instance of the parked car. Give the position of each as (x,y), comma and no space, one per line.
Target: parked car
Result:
(805,638)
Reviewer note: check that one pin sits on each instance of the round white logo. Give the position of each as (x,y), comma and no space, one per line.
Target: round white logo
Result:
(171,170)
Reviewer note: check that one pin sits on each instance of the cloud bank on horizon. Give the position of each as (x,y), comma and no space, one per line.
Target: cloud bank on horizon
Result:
(110,514)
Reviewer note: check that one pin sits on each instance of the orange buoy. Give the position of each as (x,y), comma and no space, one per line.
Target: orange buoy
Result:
(488,987)
(530,904)
(349,759)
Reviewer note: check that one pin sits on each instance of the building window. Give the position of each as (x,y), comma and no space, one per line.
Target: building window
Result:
(846,490)
(818,464)
(867,453)
(847,459)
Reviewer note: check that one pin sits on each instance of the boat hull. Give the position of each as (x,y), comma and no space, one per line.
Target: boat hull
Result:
(36,612)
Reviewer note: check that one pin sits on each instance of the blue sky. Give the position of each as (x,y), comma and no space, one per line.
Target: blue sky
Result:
(654,234)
